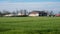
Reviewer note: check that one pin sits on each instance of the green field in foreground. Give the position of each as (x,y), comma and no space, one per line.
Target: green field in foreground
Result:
(29,25)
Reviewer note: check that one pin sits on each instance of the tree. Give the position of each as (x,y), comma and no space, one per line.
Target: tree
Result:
(13,12)
(17,12)
(0,13)
(51,13)
(6,12)
(25,12)
(21,11)
(48,13)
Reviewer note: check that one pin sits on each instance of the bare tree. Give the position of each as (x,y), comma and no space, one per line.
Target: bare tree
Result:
(14,13)
(6,12)
(17,11)
(25,12)
(21,11)
(51,13)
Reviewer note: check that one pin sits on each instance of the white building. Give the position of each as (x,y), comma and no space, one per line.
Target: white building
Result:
(33,14)
(9,15)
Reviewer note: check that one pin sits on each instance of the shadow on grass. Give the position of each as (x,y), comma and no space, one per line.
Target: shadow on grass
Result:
(4,29)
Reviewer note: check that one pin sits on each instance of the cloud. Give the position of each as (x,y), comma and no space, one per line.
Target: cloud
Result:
(55,6)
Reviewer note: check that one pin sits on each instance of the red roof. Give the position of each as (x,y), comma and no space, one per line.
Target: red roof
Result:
(57,14)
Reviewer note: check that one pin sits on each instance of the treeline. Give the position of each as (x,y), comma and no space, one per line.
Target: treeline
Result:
(14,13)
(23,13)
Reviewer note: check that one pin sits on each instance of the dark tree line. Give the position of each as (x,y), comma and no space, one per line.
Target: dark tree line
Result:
(4,12)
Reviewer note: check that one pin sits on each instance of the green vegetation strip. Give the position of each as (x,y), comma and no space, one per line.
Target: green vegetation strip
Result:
(29,25)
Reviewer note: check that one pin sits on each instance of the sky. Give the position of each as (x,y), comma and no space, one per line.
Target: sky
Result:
(47,5)
(29,0)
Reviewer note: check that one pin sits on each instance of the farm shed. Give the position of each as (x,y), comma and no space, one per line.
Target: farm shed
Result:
(38,13)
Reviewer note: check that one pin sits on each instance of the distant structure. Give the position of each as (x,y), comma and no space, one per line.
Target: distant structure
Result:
(58,15)
(25,13)
(38,13)
(22,13)
(9,15)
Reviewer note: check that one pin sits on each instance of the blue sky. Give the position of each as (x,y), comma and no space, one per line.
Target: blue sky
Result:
(30,0)
(48,5)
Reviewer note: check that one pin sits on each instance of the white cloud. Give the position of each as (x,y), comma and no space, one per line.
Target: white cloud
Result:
(55,6)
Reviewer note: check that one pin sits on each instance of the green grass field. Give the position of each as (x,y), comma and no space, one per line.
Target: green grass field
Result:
(29,25)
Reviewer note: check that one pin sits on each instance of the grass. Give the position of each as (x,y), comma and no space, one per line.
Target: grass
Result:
(29,25)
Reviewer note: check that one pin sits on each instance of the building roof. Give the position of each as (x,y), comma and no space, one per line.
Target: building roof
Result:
(34,12)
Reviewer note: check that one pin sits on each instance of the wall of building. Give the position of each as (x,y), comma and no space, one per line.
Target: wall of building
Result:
(34,14)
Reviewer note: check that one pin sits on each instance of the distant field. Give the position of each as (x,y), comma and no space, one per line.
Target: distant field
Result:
(29,25)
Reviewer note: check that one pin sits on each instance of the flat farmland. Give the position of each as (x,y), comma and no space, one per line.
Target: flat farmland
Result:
(29,25)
